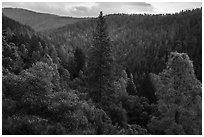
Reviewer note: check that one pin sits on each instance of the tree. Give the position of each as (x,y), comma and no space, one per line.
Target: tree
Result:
(100,65)
(179,98)
(131,88)
(79,58)
(11,59)
(56,77)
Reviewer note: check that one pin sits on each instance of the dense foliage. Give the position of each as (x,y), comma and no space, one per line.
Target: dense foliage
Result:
(141,41)
(104,76)
(179,98)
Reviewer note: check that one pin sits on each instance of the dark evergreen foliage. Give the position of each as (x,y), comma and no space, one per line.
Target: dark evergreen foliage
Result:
(80,60)
(100,65)
(114,75)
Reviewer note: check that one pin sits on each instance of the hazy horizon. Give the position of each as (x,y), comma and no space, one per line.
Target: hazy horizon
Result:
(87,9)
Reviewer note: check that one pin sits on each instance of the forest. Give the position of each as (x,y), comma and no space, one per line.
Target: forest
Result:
(119,74)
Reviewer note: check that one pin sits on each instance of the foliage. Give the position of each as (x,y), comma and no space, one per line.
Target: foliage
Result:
(100,65)
(111,82)
(141,43)
(80,58)
(179,98)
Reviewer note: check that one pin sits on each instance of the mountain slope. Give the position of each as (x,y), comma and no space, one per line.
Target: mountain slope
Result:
(141,41)
(22,46)
(38,21)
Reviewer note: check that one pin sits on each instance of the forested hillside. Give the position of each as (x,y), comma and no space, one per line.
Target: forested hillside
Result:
(141,43)
(114,75)
(38,21)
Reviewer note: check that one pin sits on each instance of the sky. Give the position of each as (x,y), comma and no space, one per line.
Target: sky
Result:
(92,9)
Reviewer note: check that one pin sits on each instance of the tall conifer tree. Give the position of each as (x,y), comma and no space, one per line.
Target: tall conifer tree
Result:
(100,65)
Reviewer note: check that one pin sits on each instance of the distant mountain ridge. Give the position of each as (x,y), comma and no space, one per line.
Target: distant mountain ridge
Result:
(39,21)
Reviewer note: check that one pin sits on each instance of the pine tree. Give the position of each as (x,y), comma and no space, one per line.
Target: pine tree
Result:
(131,88)
(100,65)
(79,58)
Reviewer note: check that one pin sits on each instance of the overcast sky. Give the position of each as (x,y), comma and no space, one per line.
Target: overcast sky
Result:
(84,9)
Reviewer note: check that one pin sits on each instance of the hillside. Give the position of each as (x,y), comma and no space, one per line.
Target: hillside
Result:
(38,21)
(18,37)
(112,75)
(39,96)
(140,41)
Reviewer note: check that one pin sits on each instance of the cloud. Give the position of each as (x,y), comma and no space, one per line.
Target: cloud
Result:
(79,9)
(59,8)
(92,9)
(145,4)
(114,7)
(172,7)
(126,6)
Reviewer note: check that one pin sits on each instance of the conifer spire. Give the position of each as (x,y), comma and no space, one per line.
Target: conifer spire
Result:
(100,64)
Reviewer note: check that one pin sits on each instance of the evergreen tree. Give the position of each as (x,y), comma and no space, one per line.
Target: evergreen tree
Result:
(100,65)
(79,58)
(131,88)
